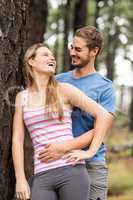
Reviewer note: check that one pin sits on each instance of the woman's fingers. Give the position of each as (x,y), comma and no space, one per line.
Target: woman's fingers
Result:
(22,190)
(23,195)
(20,196)
(28,194)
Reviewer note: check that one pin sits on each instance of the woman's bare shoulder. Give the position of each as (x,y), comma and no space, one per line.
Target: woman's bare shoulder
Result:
(20,93)
(19,97)
(67,86)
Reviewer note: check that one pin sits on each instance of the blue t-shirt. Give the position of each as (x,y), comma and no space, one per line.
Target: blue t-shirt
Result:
(99,89)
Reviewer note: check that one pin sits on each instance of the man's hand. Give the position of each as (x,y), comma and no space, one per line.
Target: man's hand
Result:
(52,152)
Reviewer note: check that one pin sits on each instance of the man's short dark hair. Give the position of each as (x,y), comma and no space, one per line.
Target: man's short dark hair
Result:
(92,36)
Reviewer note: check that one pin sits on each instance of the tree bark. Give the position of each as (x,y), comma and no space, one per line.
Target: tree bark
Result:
(66,57)
(96,14)
(37,20)
(15,37)
(131,112)
(80,14)
(112,45)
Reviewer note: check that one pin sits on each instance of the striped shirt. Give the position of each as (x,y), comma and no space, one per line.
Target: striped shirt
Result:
(45,129)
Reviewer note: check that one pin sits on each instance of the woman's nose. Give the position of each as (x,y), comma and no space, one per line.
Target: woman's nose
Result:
(51,57)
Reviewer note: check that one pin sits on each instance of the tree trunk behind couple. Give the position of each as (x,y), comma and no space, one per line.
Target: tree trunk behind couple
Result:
(20,26)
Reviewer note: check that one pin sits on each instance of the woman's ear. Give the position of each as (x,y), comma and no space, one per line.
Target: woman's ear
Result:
(31,61)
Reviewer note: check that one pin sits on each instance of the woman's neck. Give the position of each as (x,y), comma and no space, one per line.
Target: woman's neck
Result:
(40,83)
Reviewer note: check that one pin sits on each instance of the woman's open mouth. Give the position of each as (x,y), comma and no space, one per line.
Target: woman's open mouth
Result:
(51,64)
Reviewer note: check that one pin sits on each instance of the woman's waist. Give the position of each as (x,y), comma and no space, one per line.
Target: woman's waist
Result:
(43,166)
(40,166)
(39,142)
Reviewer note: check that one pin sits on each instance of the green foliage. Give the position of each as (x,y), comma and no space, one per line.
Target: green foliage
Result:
(91,12)
(121,119)
(120,164)
(114,18)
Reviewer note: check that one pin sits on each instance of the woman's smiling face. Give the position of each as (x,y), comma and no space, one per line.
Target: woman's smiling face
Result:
(44,61)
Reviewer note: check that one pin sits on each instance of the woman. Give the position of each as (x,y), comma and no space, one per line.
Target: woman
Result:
(45,108)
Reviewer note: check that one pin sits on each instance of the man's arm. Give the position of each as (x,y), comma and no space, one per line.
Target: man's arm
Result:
(107,99)
(55,151)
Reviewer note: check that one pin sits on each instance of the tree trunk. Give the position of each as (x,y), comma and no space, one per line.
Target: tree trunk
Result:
(112,46)
(121,104)
(96,14)
(37,20)
(15,37)
(66,57)
(80,14)
(131,112)
(56,47)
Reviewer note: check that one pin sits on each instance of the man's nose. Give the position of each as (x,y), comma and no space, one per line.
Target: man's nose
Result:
(72,52)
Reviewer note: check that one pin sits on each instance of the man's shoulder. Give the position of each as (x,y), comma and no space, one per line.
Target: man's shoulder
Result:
(104,83)
(104,79)
(63,76)
(107,80)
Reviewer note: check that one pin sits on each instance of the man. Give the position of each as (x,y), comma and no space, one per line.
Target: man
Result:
(86,46)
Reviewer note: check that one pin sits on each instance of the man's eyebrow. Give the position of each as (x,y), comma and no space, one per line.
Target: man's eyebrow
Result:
(77,47)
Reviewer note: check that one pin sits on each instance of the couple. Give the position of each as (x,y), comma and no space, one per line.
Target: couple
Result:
(46,107)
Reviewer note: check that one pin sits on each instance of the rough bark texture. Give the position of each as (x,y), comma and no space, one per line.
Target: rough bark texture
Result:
(112,45)
(131,111)
(15,37)
(80,14)
(66,58)
(37,19)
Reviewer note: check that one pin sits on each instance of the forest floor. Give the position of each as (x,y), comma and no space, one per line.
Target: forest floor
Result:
(120,164)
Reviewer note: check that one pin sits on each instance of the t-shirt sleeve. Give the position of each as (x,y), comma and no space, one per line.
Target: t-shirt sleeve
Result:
(108,99)
(57,76)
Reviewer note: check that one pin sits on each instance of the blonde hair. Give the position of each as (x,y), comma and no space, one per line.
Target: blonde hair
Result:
(53,99)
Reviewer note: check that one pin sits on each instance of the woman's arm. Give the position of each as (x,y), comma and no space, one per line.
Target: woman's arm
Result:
(22,188)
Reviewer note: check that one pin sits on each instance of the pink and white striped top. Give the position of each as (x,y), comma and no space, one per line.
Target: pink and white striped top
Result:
(44,130)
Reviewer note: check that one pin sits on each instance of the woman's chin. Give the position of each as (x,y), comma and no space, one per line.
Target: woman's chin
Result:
(47,72)
(50,72)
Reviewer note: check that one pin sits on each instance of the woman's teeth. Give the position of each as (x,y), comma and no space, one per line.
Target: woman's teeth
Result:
(51,64)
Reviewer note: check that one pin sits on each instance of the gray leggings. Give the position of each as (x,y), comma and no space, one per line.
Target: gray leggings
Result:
(64,183)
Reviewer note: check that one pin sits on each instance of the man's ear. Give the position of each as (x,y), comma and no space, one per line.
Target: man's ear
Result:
(95,51)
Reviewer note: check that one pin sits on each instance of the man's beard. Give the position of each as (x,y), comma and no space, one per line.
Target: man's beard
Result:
(77,66)
(81,65)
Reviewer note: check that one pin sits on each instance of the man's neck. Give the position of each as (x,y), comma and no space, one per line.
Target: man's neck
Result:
(80,72)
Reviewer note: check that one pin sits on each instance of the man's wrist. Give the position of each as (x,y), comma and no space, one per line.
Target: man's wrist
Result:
(68,146)
(90,153)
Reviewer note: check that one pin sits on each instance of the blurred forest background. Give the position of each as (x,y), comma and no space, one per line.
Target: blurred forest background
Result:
(24,22)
